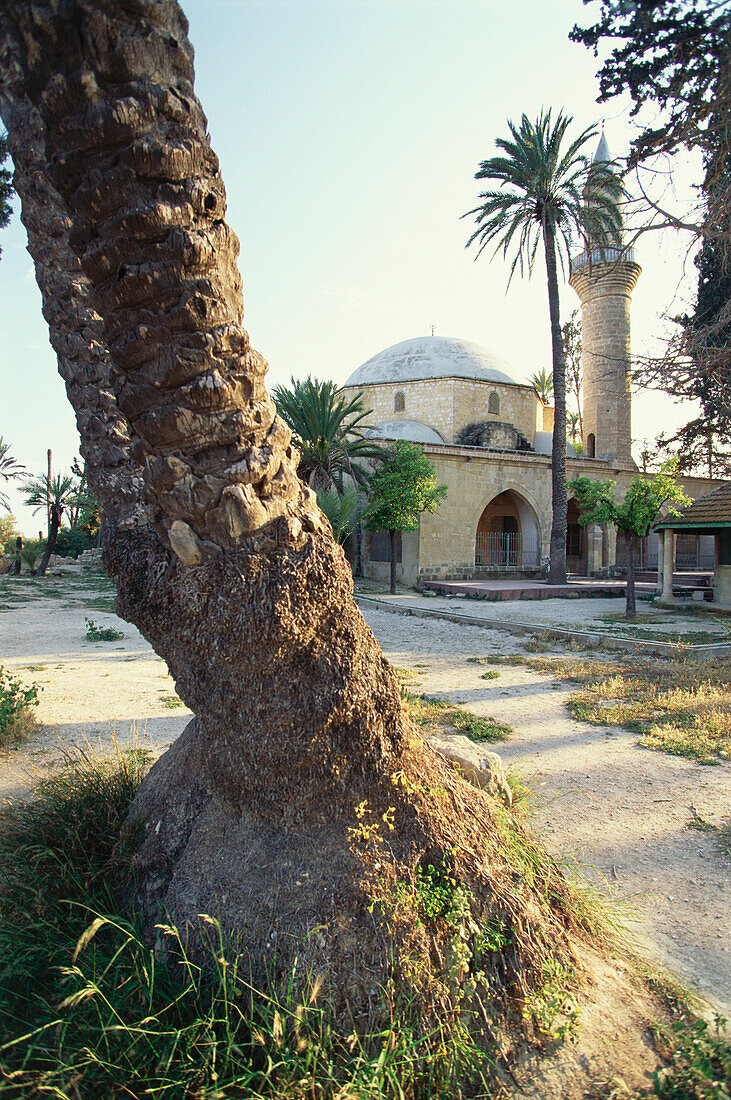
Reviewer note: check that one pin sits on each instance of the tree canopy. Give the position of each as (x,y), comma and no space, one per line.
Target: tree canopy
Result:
(404,486)
(328,431)
(635,514)
(670,53)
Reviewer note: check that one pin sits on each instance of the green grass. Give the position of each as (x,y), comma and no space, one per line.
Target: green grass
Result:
(433,713)
(87,1009)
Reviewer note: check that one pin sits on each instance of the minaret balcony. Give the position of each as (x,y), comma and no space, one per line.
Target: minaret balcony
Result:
(598,256)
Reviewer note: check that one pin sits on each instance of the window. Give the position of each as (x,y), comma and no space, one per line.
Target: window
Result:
(573,540)
(493,404)
(591,445)
(399,402)
(380,548)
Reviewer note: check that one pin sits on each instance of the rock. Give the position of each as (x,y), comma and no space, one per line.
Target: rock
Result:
(479,766)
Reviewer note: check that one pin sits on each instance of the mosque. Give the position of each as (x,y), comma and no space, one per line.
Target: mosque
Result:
(490,437)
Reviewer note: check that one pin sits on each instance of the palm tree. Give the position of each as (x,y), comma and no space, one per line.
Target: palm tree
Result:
(548,190)
(60,494)
(542,382)
(9,470)
(327,431)
(573,430)
(344,511)
(299,760)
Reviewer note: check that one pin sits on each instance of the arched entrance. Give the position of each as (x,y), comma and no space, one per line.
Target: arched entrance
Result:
(576,541)
(507,535)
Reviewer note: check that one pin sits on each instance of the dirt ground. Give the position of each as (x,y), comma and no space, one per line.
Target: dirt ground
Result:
(619,812)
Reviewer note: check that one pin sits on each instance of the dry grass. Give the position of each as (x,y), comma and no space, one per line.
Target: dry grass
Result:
(678,704)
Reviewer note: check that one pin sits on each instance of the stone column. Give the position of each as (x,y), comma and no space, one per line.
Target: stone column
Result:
(611,560)
(668,557)
(660,563)
(594,545)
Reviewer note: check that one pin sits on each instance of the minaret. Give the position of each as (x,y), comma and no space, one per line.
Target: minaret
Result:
(604,280)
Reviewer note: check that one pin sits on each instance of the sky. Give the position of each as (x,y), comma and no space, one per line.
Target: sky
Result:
(349,133)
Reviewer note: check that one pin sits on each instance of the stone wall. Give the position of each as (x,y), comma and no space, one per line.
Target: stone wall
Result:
(450,404)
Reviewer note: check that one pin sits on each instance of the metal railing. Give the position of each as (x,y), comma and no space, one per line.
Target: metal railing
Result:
(500,552)
(601,256)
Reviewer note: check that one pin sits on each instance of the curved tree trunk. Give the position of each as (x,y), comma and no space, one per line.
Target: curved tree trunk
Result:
(299,792)
(54,526)
(557,571)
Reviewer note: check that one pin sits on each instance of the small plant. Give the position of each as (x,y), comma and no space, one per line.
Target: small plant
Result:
(491,674)
(96,633)
(16,714)
(700,1062)
(552,1005)
(172,702)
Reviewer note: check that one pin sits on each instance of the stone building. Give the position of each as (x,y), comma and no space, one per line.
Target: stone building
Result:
(490,437)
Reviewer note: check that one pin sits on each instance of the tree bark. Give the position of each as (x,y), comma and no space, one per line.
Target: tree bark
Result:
(219,554)
(392,541)
(630,611)
(557,570)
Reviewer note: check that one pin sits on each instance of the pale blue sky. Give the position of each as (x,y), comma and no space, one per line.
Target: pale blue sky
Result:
(349,132)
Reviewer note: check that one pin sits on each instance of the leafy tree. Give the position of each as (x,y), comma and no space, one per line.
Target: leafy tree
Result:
(9,470)
(572,346)
(573,431)
(60,493)
(328,431)
(676,55)
(404,486)
(699,449)
(343,510)
(634,515)
(549,190)
(671,54)
(8,533)
(542,383)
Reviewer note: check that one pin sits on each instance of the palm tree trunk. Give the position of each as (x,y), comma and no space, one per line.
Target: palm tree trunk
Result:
(54,526)
(219,554)
(557,571)
(630,611)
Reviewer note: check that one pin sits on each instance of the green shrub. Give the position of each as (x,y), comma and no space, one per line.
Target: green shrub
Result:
(101,633)
(16,702)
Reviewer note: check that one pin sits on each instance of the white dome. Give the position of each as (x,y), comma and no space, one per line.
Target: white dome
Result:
(432,357)
(411,430)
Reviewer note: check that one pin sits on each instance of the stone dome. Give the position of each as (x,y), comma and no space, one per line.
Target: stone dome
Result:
(410,430)
(432,357)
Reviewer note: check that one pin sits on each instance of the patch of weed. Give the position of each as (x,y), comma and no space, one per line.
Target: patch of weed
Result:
(491,674)
(171,701)
(96,633)
(436,713)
